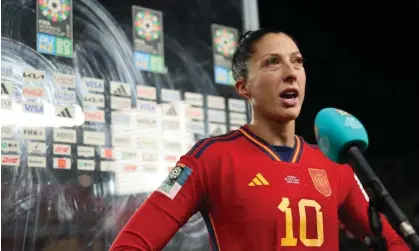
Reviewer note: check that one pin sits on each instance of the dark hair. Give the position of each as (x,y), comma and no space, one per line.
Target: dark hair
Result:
(246,48)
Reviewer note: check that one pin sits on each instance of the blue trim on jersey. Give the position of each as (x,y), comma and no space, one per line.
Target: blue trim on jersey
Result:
(261,148)
(211,232)
(301,150)
(201,141)
(285,153)
(197,144)
(229,137)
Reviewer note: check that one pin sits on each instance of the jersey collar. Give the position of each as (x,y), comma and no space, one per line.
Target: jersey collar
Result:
(267,149)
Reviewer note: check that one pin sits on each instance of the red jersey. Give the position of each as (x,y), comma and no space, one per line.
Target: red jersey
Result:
(252,200)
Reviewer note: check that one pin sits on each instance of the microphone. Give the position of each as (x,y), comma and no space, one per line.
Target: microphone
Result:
(343,139)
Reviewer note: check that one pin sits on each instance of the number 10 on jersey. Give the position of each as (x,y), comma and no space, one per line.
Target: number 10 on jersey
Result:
(289,240)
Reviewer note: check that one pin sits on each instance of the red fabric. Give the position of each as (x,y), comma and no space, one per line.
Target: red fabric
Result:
(289,213)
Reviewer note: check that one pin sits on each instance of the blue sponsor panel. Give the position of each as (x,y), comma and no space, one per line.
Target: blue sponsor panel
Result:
(142,60)
(46,44)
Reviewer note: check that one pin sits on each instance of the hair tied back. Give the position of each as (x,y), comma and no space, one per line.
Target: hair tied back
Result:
(245,36)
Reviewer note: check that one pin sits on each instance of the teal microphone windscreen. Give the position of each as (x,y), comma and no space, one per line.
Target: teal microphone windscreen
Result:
(336,131)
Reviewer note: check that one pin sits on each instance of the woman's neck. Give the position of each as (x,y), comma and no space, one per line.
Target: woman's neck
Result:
(275,133)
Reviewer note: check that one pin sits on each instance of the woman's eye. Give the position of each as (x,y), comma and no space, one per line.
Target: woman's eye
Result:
(271,61)
(298,60)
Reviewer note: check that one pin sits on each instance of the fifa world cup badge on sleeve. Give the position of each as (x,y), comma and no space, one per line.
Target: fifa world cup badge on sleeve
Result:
(175,180)
(321,182)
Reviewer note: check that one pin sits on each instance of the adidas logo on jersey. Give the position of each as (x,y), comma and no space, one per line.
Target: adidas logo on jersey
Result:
(258,180)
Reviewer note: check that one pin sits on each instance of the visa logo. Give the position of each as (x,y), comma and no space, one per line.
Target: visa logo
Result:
(94,84)
(33,108)
(147,106)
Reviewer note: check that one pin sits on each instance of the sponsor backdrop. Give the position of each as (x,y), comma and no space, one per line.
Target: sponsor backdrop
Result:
(98,102)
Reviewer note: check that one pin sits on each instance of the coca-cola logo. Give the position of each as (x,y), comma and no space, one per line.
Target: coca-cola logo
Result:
(94,116)
(33,92)
(130,167)
(10,159)
(62,149)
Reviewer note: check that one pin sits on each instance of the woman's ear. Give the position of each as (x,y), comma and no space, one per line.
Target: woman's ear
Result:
(242,89)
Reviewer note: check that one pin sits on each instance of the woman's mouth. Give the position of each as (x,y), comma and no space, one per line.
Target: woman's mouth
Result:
(289,97)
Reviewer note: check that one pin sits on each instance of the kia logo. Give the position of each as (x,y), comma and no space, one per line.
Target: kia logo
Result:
(10,160)
(33,76)
(61,149)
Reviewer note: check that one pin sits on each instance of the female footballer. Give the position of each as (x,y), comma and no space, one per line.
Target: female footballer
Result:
(260,187)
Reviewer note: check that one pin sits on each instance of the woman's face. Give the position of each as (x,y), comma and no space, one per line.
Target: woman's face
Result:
(276,80)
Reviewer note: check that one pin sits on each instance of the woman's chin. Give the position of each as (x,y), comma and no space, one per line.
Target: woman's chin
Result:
(288,114)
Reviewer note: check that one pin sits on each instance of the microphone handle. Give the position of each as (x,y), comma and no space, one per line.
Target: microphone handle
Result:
(380,197)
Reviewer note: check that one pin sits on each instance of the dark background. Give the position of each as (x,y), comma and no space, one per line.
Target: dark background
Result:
(361,56)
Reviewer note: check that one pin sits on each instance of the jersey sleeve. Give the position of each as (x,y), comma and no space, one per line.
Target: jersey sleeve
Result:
(166,210)
(354,212)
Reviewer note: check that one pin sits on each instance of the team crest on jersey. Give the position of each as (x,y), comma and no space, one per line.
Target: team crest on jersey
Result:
(320,180)
(175,180)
